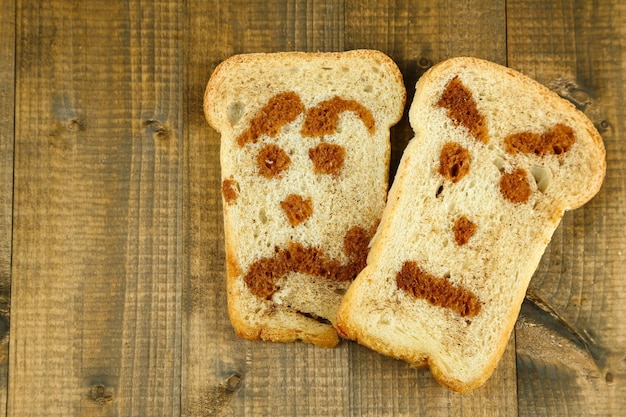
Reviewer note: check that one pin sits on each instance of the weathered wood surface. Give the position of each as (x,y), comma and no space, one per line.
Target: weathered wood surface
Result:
(7,100)
(111,239)
(577,49)
(97,283)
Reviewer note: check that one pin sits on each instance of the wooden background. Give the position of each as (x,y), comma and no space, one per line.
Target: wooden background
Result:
(111,252)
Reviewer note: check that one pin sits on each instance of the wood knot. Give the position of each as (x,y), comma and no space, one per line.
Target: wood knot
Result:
(75,125)
(424,63)
(233,382)
(603,126)
(158,130)
(100,394)
(583,99)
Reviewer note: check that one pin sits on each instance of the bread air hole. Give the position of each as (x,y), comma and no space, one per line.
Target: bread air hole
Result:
(234,112)
(262,216)
(383,322)
(543,177)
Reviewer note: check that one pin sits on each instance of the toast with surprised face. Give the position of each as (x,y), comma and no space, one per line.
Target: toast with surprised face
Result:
(305,157)
(495,162)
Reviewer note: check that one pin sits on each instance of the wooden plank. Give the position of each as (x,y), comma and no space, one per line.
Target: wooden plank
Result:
(226,375)
(7,112)
(578,49)
(97,287)
(417,37)
(555,375)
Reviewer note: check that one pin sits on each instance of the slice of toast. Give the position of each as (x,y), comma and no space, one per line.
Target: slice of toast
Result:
(305,158)
(496,160)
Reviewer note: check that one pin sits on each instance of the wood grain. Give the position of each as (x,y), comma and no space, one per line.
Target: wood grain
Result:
(300,379)
(419,34)
(97,289)
(226,375)
(7,113)
(417,37)
(577,48)
(111,235)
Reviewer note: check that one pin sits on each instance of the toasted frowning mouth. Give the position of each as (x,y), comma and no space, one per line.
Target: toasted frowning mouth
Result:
(264,273)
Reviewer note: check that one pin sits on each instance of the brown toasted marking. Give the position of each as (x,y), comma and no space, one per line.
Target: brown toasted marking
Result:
(272,160)
(229,191)
(297,209)
(454,161)
(263,274)
(327,158)
(463,230)
(280,110)
(458,100)
(307,260)
(514,186)
(356,241)
(555,141)
(356,246)
(322,119)
(437,291)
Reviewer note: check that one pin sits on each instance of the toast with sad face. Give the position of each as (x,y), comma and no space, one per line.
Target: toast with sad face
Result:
(305,158)
(495,162)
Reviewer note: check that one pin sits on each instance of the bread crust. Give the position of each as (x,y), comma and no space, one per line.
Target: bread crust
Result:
(551,99)
(422,205)
(237,89)
(230,65)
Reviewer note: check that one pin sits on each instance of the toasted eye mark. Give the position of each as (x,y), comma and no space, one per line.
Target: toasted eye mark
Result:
(454,161)
(272,161)
(229,192)
(514,186)
(556,141)
(280,110)
(458,100)
(463,230)
(327,158)
(297,209)
(322,119)
(437,291)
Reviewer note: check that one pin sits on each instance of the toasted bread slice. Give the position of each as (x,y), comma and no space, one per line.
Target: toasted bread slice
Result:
(305,158)
(495,162)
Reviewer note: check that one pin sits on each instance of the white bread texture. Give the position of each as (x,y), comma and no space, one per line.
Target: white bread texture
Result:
(478,193)
(304,156)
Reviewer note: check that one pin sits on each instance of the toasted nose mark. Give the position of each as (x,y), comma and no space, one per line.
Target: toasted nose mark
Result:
(327,158)
(297,208)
